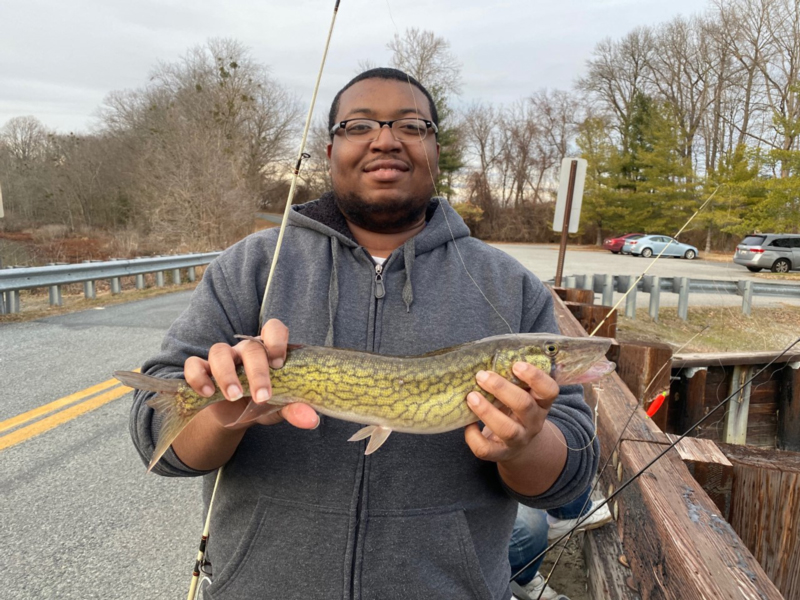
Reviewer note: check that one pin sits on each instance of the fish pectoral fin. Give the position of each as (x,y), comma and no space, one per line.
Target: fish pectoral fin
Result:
(377,435)
(253,411)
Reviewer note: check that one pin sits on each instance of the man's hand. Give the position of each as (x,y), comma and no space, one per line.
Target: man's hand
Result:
(222,362)
(507,435)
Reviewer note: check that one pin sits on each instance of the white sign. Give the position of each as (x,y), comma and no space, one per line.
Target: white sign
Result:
(577,194)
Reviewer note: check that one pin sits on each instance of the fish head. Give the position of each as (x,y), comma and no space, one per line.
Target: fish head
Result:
(578,360)
(568,360)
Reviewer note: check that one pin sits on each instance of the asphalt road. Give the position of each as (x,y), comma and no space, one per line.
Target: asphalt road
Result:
(80,518)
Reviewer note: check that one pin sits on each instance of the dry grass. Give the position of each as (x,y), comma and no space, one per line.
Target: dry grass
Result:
(768,329)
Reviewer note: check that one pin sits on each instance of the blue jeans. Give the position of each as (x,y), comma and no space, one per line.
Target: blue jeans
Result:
(528,539)
(574,509)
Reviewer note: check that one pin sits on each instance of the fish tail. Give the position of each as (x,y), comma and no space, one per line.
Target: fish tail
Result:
(148,383)
(172,423)
(168,404)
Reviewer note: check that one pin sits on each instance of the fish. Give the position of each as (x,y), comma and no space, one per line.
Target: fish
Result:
(423,394)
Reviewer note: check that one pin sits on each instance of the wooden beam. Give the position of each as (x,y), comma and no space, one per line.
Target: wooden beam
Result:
(729,359)
(765,510)
(608,577)
(788,436)
(575,295)
(676,541)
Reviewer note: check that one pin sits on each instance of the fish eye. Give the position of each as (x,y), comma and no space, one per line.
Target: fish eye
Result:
(551,349)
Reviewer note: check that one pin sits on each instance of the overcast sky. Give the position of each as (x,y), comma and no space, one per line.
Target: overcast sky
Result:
(59,58)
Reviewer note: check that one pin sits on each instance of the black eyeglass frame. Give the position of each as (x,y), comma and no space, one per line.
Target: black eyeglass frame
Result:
(341,125)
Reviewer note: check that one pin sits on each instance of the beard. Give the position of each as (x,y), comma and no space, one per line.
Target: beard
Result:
(384,216)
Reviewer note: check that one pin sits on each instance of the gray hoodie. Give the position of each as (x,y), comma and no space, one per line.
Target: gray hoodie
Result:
(304,514)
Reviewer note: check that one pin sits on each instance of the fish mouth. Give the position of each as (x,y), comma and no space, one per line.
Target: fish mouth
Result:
(582,362)
(569,375)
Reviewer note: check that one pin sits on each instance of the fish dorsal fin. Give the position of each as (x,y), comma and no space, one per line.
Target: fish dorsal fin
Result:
(290,347)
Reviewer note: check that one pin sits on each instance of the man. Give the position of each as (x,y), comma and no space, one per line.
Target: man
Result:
(377,265)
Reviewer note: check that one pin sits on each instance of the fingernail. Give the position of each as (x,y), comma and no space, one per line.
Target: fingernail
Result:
(277,363)
(481,376)
(317,425)
(262,395)
(520,368)
(473,399)
(234,392)
(207,391)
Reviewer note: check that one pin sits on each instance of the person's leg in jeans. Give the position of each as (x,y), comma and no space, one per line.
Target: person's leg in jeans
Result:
(528,539)
(572,510)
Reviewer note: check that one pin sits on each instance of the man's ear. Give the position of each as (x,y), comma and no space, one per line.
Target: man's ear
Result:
(330,147)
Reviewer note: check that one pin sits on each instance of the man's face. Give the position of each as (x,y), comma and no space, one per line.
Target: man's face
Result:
(384,185)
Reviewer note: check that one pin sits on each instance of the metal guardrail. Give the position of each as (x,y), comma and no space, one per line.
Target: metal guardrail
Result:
(15,279)
(683,286)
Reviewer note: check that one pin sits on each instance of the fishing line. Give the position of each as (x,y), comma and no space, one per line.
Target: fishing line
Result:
(678,440)
(301,154)
(438,196)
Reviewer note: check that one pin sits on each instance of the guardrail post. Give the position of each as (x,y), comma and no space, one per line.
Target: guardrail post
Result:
(159,278)
(12,302)
(89,289)
(608,290)
(140,281)
(55,291)
(176,276)
(192,273)
(655,297)
(569,281)
(116,288)
(747,297)
(630,299)
(683,298)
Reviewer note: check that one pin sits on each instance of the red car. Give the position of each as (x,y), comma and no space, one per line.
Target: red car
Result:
(615,244)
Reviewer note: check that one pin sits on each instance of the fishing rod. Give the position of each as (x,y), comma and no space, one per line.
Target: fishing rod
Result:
(301,155)
(661,454)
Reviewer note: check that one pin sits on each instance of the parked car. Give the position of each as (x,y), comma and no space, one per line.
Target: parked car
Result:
(648,245)
(778,252)
(615,244)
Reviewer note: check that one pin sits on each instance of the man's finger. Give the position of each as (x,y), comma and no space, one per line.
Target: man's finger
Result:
(276,337)
(301,415)
(222,362)
(196,372)
(504,427)
(513,396)
(256,368)
(543,387)
(482,447)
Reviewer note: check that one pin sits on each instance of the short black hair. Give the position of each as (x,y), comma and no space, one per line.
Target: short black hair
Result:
(382,73)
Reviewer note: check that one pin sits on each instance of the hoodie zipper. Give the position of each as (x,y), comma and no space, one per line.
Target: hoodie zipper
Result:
(380,291)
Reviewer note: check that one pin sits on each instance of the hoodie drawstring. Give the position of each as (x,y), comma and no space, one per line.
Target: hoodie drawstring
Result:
(408,261)
(333,290)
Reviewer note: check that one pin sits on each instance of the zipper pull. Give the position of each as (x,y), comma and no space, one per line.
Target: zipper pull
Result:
(380,291)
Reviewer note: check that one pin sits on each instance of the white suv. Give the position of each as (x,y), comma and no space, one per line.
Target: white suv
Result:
(778,252)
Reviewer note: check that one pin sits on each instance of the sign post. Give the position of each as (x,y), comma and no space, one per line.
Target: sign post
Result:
(568,205)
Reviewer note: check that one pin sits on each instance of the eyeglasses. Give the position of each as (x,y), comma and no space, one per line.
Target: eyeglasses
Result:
(367,130)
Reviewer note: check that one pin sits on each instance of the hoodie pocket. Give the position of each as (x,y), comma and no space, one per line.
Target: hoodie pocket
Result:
(424,553)
(289,550)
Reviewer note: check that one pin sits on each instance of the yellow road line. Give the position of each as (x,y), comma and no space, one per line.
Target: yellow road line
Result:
(56,404)
(48,423)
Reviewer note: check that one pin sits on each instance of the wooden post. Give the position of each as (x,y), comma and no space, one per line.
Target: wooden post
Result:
(646,369)
(765,511)
(690,401)
(738,407)
(789,408)
(562,249)
(590,316)
(608,578)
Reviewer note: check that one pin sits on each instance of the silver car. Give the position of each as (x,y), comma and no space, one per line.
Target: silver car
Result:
(778,252)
